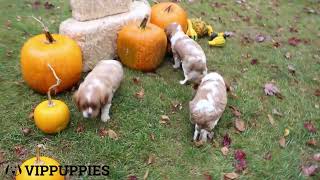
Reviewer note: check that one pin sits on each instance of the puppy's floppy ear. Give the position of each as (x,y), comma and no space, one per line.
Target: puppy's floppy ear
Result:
(104,99)
(76,98)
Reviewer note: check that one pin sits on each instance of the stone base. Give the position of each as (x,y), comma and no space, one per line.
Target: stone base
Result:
(84,10)
(98,38)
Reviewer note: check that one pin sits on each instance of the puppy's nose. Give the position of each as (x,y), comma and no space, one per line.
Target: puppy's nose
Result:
(89,114)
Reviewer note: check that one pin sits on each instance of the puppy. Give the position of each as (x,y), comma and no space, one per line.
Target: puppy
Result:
(188,52)
(208,105)
(96,91)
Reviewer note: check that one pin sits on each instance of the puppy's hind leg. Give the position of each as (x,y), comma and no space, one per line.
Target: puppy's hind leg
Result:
(185,75)
(177,61)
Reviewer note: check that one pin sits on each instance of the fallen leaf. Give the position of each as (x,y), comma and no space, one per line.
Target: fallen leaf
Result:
(140,94)
(286,132)
(36,4)
(268,156)
(207,176)
(288,55)
(9,53)
(176,106)
(294,41)
(8,24)
(276,44)
(113,135)
(260,38)
(151,159)
(26,131)
(31,115)
(271,120)
(312,142)
(164,119)
(110,133)
(291,69)
(317,92)
(282,142)
(235,111)
(310,170)
(316,157)
(146,175)
(80,128)
(132,177)
(239,154)
(270,89)
(240,125)
(226,140)
(225,150)
(254,61)
(136,80)
(310,127)
(48,5)
(241,165)
(20,151)
(230,176)
(293,29)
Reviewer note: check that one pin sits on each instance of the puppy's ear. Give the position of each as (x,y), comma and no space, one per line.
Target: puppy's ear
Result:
(76,98)
(104,99)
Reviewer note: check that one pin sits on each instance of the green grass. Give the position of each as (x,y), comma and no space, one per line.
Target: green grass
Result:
(134,120)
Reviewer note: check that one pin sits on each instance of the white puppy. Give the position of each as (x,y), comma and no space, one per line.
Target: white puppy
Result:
(208,105)
(96,91)
(188,52)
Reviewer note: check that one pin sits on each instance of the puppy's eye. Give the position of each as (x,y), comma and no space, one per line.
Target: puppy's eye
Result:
(93,106)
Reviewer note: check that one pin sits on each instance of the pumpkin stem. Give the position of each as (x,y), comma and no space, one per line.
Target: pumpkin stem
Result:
(144,22)
(46,30)
(168,9)
(38,155)
(53,86)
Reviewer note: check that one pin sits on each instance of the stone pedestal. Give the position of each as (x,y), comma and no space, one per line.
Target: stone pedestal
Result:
(84,10)
(98,38)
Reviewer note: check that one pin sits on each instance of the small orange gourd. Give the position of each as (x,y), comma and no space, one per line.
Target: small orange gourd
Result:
(165,13)
(142,47)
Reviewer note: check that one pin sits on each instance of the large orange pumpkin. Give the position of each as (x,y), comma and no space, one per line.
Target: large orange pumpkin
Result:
(163,14)
(142,47)
(60,51)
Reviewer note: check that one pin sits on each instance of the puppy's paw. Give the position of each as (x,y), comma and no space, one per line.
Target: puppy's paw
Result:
(182,82)
(176,66)
(105,117)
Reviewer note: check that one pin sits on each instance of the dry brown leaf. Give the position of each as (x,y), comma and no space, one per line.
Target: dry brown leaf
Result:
(80,128)
(113,135)
(198,143)
(286,132)
(146,175)
(282,142)
(240,125)
(235,111)
(152,137)
(230,176)
(140,94)
(271,120)
(268,156)
(136,80)
(151,159)
(30,116)
(26,131)
(312,142)
(164,119)
(225,150)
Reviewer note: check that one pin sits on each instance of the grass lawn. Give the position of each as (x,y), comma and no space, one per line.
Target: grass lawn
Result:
(136,120)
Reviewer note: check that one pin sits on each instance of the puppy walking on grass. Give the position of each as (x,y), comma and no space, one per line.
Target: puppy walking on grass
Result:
(95,93)
(208,105)
(188,52)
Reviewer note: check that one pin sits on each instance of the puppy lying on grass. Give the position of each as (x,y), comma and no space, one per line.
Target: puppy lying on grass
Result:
(188,52)
(96,91)
(208,105)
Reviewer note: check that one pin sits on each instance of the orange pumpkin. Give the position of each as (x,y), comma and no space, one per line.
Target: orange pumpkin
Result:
(142,47)
(60,51)
(163,14)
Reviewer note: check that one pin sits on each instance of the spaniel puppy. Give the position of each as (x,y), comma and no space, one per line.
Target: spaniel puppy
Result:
(208,105)
(188,52)
(96,91)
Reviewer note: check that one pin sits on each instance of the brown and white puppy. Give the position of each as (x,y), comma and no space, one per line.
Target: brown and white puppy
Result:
(208,105)
(96,91)
(188,52)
